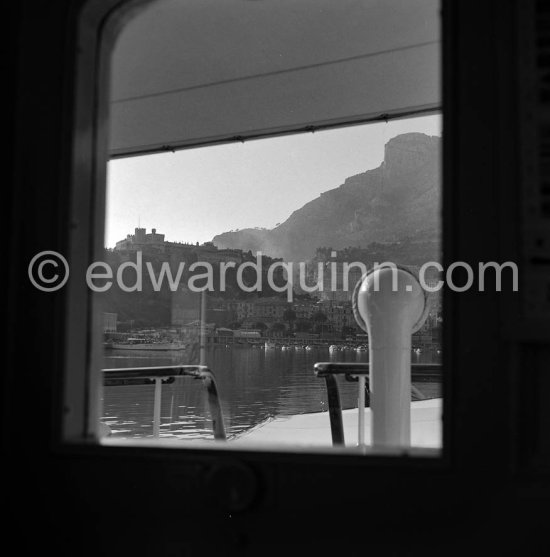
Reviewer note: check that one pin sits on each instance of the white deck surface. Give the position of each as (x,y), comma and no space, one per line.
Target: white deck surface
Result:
(314,429)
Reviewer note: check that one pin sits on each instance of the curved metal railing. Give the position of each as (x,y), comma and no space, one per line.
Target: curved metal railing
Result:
(159,375)
(360,370)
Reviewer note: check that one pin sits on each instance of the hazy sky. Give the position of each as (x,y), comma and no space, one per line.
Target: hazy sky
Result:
(195,194)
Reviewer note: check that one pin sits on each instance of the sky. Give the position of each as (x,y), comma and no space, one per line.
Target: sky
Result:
(194,194)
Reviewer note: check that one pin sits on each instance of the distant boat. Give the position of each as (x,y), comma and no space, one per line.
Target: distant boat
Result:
(361,349)
(333,348)
(270,344)
(309,347)
(156,346)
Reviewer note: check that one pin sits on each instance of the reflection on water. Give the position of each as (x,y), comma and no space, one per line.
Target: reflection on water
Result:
(254,385)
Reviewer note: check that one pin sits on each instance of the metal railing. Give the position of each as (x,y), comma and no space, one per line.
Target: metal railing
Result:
(358,372)
(162,375)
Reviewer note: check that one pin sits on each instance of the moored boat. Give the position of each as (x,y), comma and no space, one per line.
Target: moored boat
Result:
(146,346)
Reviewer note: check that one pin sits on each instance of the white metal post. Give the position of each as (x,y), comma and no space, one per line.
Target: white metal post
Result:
(156,407)
(361,412)
(393,305)
(202,340)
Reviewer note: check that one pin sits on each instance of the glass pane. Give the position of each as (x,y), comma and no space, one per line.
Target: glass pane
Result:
(235,290)
(357,195)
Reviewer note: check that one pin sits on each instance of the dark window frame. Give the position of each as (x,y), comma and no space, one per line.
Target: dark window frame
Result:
(485,473)
(80,424)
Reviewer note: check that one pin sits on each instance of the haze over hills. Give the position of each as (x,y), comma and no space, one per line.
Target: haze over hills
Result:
(396,202)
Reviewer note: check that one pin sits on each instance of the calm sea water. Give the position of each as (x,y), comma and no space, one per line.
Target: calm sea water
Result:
(254,384)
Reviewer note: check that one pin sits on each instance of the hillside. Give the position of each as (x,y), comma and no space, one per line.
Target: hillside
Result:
(398,200)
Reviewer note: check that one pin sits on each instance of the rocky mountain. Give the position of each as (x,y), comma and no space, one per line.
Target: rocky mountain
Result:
(398,201)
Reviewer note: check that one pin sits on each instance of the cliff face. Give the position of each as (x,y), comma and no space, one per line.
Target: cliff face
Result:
(399,199)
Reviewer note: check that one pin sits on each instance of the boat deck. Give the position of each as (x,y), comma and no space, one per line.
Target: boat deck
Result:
(314,429)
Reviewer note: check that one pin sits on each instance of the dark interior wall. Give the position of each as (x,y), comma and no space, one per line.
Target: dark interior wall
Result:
(484,495)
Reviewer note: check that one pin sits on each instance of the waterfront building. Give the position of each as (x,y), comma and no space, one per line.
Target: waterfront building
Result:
(269,309)
(109,322)
(193,328)
(242,308)
(339,314)
(305,309)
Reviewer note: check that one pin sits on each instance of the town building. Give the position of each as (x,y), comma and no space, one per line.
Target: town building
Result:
(140,239)
(154,242)
(339,315)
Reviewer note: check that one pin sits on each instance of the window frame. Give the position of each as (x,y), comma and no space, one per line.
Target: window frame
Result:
(98,25)
(497,472)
